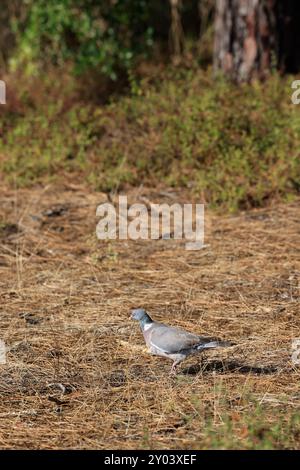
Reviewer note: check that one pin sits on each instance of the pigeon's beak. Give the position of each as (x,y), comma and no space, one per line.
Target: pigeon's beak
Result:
(133,315)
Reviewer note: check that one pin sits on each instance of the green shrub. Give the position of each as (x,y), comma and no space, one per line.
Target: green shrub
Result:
(107,35)
(237,146)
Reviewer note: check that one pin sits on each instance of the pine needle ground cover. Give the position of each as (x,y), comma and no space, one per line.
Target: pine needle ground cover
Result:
(77,374)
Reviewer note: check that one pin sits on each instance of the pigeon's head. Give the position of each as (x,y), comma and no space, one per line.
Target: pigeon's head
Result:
(138,314)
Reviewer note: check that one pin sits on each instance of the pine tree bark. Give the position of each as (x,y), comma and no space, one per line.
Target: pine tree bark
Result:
(245,37)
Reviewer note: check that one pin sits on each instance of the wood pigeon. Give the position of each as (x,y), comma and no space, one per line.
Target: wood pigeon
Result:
(175,343)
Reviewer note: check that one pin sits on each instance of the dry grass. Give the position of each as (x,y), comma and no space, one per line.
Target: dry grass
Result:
(77,375)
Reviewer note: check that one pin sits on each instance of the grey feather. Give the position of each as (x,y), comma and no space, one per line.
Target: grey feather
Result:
(173,342)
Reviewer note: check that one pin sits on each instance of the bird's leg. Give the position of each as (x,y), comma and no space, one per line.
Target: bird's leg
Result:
(202,362)
(173,368)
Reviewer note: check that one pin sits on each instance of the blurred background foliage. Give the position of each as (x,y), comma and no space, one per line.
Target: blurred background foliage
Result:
(120,92)
(111,35)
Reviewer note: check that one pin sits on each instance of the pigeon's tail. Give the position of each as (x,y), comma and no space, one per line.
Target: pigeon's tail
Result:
(215,344)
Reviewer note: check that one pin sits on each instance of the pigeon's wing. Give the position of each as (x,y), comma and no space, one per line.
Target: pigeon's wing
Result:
(172,340)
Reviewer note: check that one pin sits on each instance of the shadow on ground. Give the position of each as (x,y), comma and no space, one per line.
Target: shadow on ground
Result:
(230,366)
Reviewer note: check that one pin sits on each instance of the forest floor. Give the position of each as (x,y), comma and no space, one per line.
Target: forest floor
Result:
(77,374)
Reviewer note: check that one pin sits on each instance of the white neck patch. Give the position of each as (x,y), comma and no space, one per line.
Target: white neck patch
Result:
(147,326)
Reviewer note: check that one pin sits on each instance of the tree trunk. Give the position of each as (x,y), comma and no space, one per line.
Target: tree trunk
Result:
(252,36)
(176,32)
(245,37)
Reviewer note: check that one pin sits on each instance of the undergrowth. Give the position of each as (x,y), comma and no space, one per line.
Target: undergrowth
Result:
(235,147)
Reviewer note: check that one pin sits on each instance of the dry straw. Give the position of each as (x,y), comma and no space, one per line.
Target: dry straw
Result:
(77,374)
